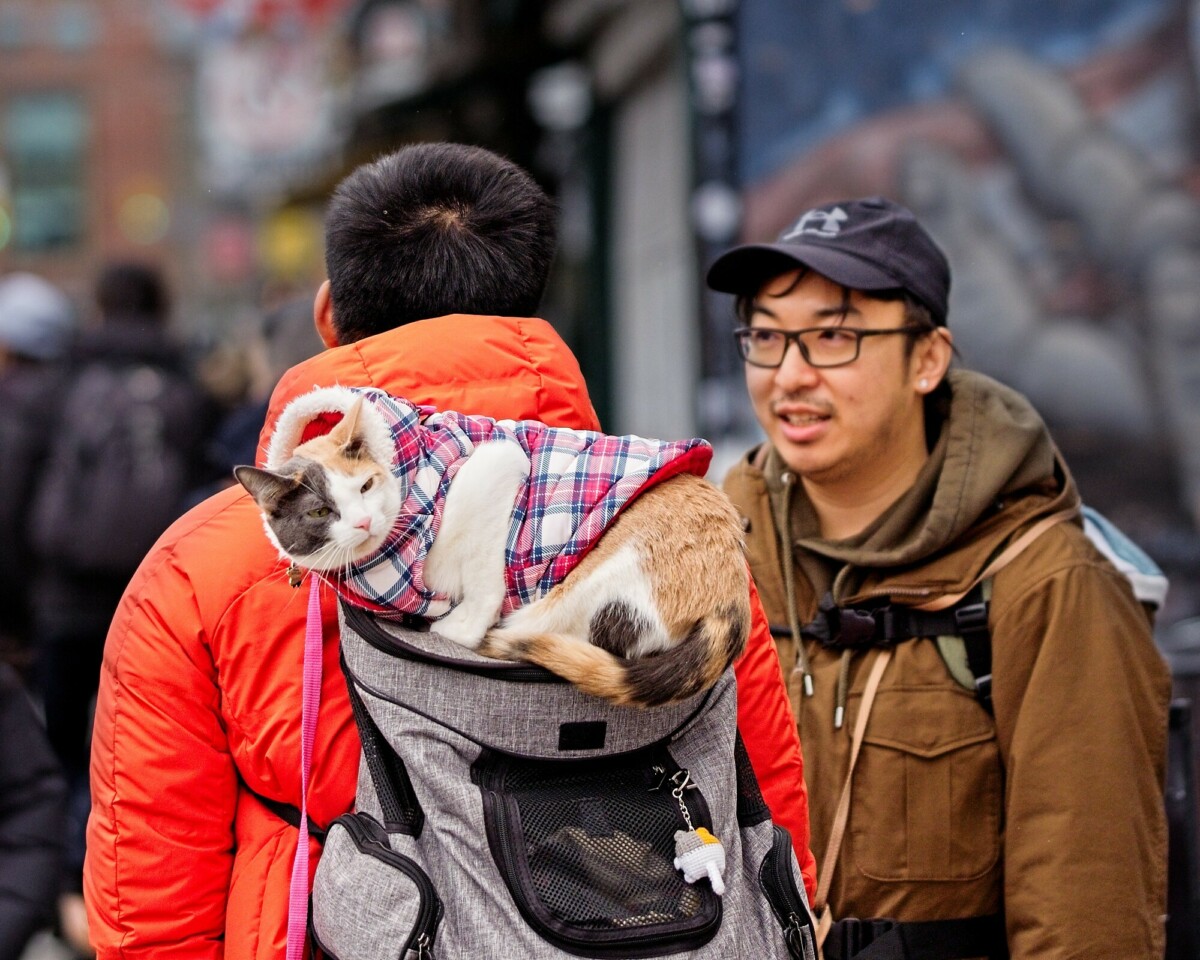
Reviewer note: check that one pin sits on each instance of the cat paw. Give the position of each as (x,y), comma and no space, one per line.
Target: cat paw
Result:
(463,625)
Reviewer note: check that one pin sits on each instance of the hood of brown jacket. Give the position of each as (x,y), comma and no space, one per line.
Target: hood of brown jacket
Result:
(993,469)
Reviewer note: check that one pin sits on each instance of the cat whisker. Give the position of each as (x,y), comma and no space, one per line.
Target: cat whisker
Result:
(326,558)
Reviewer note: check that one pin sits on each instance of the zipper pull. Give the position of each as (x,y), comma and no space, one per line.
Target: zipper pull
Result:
(798,936)
(424,947)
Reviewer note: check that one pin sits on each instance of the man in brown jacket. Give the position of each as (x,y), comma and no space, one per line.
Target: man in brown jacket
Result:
(1029,811)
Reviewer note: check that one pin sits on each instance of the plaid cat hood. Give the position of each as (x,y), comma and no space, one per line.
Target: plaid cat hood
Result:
(579,482)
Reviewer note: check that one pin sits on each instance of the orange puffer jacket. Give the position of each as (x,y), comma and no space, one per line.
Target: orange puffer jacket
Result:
(199,706)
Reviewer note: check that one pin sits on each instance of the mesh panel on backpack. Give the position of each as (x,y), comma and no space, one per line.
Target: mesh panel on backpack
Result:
(601,839)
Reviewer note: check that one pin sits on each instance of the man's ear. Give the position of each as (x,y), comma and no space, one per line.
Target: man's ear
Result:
(323,316)
(931,359)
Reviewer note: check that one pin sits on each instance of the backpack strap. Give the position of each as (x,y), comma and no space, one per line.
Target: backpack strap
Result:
(971,634)
(842,814)
(970,611)
(398,804)
(286,812)
(883,939)
(1003,559)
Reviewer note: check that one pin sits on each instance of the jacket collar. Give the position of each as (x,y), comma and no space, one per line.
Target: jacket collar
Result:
(515,368)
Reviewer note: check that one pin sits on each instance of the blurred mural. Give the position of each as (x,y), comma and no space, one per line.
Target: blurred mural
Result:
(1052,150)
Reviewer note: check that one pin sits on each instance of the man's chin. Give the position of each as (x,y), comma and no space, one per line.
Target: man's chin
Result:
(806,463)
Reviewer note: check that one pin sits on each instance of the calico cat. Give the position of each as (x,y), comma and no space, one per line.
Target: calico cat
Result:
(331,504)
(653,612)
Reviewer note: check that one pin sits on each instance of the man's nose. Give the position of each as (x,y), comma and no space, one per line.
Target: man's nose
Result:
(795,368)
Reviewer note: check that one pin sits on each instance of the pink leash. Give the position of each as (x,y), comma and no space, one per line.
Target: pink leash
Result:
(297,928)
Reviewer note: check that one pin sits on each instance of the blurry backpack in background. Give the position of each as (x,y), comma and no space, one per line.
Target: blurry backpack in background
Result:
(122,460)
(37,322)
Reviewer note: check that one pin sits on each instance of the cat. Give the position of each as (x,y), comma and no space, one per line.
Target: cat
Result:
(653,612)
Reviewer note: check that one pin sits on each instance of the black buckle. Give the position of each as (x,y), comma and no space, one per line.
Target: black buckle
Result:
(857,629)
(971,616)
(851,935)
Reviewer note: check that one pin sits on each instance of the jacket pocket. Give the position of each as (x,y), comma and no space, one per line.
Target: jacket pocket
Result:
(370,902)
(586,849)
(777,879)
(930,763)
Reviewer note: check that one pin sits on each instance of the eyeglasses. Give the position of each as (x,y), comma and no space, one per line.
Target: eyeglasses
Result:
(820,346)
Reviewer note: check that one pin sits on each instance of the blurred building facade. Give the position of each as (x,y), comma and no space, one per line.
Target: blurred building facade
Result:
(1052,149)
(94,136)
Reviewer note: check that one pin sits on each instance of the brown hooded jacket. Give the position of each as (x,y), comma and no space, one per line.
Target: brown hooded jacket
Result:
(1051,812)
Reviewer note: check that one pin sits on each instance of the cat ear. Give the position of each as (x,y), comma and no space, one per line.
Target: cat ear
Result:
(350,435)
(264,486)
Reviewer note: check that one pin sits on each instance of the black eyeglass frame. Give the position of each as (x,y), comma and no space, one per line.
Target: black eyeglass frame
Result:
(793,336)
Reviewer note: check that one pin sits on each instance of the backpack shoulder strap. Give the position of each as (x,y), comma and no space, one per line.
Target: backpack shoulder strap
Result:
(967,648)
(1003,559)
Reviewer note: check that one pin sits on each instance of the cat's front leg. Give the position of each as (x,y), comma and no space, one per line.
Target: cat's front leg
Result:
(466,560)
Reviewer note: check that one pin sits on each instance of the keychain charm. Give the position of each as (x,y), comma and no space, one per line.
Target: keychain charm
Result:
(697,852)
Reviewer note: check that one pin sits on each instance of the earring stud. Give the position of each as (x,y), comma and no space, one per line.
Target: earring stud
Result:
(923,383)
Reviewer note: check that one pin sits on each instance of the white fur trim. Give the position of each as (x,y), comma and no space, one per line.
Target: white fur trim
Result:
(289,428)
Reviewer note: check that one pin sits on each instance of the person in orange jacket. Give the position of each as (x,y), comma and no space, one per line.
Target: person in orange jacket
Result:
(436,255)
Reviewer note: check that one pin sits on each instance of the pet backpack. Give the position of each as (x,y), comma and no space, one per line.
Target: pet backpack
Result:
(502,813)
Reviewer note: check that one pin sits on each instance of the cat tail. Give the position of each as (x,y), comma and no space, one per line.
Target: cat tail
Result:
(685,669)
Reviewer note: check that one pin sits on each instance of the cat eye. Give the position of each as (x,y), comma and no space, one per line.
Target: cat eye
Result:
(319,512)
(367,486)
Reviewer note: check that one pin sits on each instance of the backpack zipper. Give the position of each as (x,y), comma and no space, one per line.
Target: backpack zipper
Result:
(775,878)
(370,837)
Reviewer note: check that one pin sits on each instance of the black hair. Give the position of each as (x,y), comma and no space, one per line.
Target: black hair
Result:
(433,229)
(132,292)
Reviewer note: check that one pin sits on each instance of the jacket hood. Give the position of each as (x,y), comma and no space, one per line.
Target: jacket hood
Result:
(993,446)
(515,368)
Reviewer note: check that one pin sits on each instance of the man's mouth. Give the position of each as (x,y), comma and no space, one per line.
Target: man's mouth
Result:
(801,422)
(803,419)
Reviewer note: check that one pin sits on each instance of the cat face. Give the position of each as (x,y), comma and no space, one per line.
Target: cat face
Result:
(331,504)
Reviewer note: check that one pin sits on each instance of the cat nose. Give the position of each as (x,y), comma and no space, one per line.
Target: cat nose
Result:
(364,524)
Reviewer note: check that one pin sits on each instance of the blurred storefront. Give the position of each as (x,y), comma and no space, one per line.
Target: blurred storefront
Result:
(1051,148)
(93,124)
(591,96)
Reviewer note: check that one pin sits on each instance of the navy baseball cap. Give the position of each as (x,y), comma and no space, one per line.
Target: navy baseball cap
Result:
(870,244)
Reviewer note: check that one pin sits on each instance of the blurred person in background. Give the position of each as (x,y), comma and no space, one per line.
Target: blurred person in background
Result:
(126,447)
(284,337)
(36,324)
(32,795)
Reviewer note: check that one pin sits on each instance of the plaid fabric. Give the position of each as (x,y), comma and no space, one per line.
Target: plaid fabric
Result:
(579,482)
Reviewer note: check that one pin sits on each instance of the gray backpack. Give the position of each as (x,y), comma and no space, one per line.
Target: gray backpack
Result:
(501,813)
